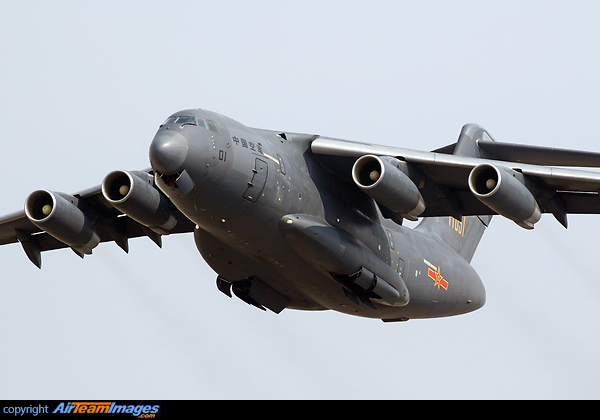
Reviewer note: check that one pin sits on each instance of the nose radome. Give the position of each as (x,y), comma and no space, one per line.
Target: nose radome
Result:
(168,151)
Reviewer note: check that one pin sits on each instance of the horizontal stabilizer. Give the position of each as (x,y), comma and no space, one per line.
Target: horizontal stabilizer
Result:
(538,155)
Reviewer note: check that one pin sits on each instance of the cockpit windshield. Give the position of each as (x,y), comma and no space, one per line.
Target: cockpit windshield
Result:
(183,120)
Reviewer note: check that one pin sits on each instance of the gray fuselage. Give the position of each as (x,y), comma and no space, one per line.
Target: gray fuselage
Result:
(237,183)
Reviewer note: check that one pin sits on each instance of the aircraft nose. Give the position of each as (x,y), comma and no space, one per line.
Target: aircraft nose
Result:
(168,152)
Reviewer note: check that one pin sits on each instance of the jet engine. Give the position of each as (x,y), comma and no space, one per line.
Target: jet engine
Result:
(503,190)
(134,194)
(385,180)
(58,215)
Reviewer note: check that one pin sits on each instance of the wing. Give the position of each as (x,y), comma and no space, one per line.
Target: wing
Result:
(82,220)
(443,176)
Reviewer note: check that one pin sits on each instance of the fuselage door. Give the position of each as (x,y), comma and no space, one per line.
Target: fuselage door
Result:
(257,181)
(400,267)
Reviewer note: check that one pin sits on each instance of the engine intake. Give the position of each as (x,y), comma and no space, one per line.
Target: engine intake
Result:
(134,194)
(385,180)
(503,190)
(58,215)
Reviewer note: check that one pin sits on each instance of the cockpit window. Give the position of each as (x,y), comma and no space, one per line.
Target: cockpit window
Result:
(182,120)
(212,126)
(188,120)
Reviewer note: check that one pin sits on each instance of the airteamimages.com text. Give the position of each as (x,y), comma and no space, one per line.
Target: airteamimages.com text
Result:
(142,411)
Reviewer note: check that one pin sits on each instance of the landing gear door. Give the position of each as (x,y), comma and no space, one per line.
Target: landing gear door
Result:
(257,180)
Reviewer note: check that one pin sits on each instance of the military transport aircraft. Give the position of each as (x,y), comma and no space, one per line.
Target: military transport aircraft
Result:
(306,222)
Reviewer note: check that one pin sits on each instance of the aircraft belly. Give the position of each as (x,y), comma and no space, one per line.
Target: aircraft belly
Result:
(445,288)
(235,265)
(307,287)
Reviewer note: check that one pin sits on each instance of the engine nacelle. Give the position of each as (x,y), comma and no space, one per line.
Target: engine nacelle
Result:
(503,190)
(134,194)
(385,180)
(58,215)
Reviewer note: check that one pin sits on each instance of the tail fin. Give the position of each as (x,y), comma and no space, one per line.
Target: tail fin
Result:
(462,235)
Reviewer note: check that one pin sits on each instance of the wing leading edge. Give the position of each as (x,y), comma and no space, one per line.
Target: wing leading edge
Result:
(443,176)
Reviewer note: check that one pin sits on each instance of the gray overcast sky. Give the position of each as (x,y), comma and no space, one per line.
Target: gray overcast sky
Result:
(83,88)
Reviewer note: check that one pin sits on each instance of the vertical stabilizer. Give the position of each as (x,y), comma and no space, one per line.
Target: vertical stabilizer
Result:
(462,235)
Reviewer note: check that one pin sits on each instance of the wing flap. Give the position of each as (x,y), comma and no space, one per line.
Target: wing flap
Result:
(580,203)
